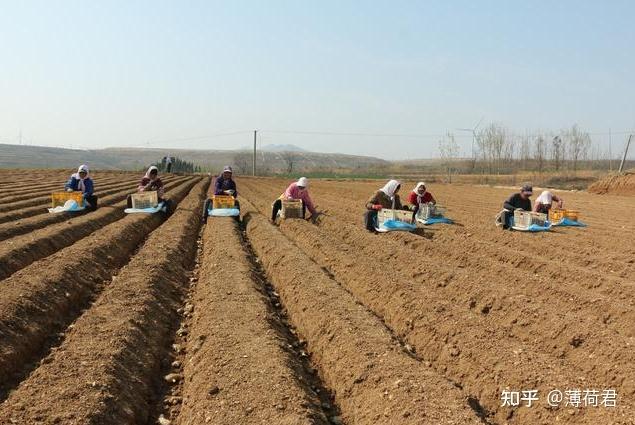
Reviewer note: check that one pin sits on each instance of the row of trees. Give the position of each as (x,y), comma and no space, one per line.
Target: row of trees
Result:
(499,151)
(178,166)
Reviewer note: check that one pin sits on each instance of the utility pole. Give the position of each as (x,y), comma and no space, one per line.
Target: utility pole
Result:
(625,153)
(610,153)
(253,170)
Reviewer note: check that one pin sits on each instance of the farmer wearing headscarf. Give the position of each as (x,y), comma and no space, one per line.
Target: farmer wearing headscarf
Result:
(152,182)
(81,182)
(224,185)
(299,191)
(418,196)
(544,202)
(386,197)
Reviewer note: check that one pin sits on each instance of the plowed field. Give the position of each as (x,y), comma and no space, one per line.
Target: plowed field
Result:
(108,318)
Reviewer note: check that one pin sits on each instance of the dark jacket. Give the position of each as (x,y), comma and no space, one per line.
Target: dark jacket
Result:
(384,200)
(73,184)
(222,184)
(157,185)
(516,201)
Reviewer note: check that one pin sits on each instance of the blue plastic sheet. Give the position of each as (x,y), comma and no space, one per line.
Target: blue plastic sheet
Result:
(537,228)
(436,220)
(568,222)
(69,206)
(223,212)
(152,210)
(398,225)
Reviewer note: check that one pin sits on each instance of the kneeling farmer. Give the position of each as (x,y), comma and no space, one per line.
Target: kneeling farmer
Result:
(81,182)
(150,182)
(224,185)
(518,201)
(545,202)
(418,196)
(386,197)
(298,191)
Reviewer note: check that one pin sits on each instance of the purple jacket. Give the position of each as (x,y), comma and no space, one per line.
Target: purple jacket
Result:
(222,184)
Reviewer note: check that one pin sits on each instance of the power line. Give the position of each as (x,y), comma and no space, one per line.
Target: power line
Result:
(185,139)
(414,135)
(330,133)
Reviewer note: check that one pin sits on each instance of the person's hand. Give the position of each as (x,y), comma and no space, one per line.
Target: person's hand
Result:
(377,207)
(289,199)
(315,217)
(229,192)
(69,189)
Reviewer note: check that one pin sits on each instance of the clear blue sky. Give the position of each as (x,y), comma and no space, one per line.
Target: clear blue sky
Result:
(146,73)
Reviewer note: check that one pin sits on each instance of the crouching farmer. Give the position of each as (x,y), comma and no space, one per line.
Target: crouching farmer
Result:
(224,185)
(517,201)
(152,182)
(386,197)
(299,191)
(81,182)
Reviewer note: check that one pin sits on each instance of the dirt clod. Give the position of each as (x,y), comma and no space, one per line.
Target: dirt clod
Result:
(173,377)
(164,421)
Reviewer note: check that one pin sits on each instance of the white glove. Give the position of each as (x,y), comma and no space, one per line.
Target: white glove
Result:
(229,192)
(69,190)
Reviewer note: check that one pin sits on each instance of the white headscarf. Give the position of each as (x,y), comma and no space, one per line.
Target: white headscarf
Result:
(80,185)
(152,167)
(390,187)
(416,190)
(303,182)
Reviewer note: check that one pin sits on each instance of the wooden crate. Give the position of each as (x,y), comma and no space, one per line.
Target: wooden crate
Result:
(223,201)
(291,209)
(527,218)
(144,200)
(59,198)
(399,215)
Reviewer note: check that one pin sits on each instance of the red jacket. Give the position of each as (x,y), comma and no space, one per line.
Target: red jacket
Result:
(427,197)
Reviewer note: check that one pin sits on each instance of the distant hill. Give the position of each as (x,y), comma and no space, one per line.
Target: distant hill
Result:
(20,156)
(283,148)
(275,148)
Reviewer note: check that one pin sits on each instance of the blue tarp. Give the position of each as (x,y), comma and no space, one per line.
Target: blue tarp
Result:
(223,212)
(537,228)
(159,207)
(436,220)
(532,227)
(69,206)
(397,225)
(568,222)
